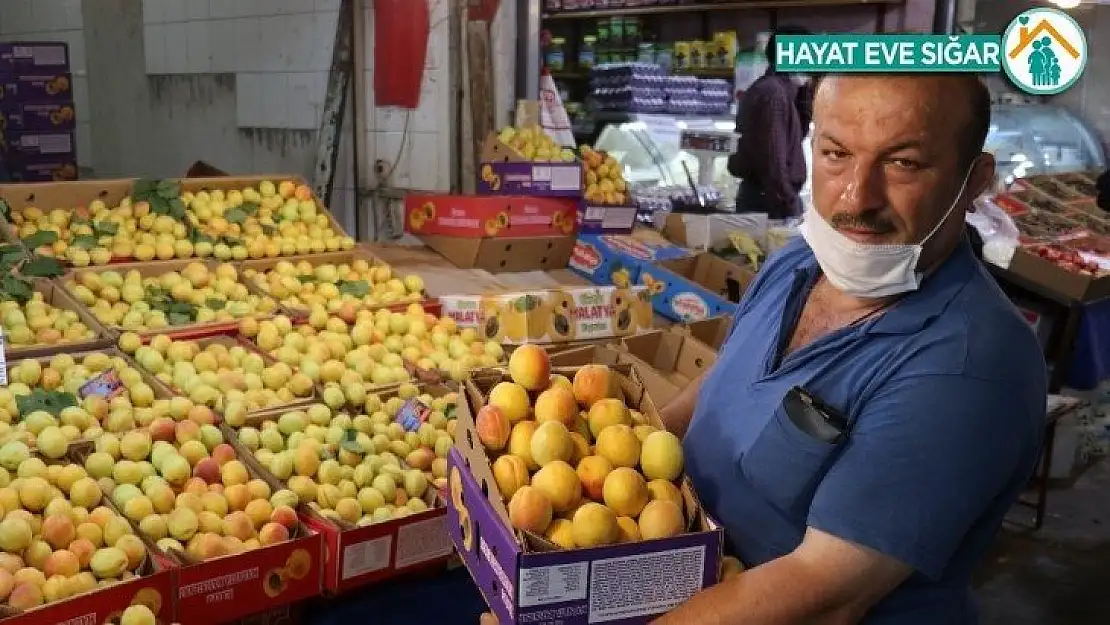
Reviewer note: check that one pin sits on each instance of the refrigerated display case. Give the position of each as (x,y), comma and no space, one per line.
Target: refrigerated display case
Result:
(1030,139)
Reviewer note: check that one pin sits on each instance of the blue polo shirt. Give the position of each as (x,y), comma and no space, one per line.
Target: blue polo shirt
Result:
(946,396)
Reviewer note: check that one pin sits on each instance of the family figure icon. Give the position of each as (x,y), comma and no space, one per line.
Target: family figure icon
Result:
(1044,66)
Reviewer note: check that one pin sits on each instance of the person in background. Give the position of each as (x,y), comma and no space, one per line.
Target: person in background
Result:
(772,121)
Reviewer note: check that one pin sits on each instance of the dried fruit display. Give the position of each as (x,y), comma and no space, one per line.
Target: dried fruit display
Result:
(1056,189)
(1067,259)
(1080,183)
(1047,223)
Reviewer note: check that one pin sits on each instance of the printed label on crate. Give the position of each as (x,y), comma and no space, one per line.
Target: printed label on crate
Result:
(366,557)
(412,414)
(466,311)
(553,584)
(422,541)
(690,306)
(106,385)
(642,585)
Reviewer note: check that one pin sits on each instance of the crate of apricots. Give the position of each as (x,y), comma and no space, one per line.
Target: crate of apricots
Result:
(185,490)
(67,555)
(363,476)
(348,356)
(574,469)
(224,373)
(340,283)
(100,222)
(53,403)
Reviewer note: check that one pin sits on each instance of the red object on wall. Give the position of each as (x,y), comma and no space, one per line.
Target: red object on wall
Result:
(482,10)
(401,31)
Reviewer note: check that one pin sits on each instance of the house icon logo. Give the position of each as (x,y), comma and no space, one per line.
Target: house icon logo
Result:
(1044,51)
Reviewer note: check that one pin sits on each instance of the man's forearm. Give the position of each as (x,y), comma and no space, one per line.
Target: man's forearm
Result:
(779,592)
(680,411)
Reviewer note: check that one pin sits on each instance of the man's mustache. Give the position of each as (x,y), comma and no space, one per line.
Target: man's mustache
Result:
(870,221)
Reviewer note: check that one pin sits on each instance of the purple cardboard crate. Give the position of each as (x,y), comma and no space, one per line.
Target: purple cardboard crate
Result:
(526,178)
(26,57)
(44,87)
(606,219)
(52,168)
(38,143)
(49,116)
(624,584)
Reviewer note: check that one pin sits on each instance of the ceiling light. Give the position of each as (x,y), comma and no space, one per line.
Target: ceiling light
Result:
(1066,4)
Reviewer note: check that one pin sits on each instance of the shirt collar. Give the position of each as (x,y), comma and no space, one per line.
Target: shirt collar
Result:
(914,310)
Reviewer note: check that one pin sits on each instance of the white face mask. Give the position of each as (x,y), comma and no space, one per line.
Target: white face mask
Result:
(863,270)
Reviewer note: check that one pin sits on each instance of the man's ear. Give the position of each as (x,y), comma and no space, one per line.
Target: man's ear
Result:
(982,178)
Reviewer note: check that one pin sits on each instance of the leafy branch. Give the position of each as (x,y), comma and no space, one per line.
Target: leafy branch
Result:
(53,402)
(164,197)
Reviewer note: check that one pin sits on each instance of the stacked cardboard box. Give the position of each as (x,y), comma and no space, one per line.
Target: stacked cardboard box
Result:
(37,117)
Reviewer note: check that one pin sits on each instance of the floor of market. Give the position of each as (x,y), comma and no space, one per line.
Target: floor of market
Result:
(1055,576)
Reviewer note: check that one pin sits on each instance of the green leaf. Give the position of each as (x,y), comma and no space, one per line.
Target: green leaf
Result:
(41,267)
(178,319)
(306,277)
(354,288)
(144,187)
(10,255)
(177,208)
(53,402)
(250,208)
(168,189)
(86,241)
(235,215)
(215,303)
(5,210)
(449,411)
(196,236)
(16,289)
(40,238)
(350,441)
(105,228)
(268,230)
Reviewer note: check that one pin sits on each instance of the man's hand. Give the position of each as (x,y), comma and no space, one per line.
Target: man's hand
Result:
(679,412)
(825,581)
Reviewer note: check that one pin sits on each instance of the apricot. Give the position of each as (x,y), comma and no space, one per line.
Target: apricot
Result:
(512,399)
(558,379)
(238,496)
(306,460)
(285,516)
(581,447)
(730,567)
(85,492)
(661,519)
(108,562)
(83,549)
(561,533)
(183,523)
(619,445)
(606,412)
(223,453)
(593,383)
(6,584)
(154,526)
(58,531)
(234,472)
(61,562)
(239,525)
(273,533)
(520,442)
(493,427)
(209,523)
(91,532)
(25,596)
(529,510)
(176,469)
(594,525)
(557,404)
(10,562)
(137,615)
(259,511)
(511,474)
(592,471)
(551,442)
(559,483)
(625,492)
(15,534)
(530,367)
(661,456)
(667,491)
(132,546)
(629,530)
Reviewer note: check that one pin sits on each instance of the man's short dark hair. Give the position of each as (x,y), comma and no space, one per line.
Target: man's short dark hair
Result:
(974,135)
(782,30)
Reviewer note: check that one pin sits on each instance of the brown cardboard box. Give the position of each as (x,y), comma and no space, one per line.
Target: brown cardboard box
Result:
(1057,279)
(504,254)
(712,331)
(678,359)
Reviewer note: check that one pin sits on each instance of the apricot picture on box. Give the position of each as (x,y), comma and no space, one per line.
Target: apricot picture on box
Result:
(588,470)
(274,582)
(562,316)
(622,311)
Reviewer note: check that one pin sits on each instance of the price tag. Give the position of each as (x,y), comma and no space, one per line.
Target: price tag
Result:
(412,415)
(106,385)
(3,361)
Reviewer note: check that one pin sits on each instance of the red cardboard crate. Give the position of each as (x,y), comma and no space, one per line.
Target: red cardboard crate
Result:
(106,604)
(472,216)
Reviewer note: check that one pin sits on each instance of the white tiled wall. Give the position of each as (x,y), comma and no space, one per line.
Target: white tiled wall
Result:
(278,50)
(55,20)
